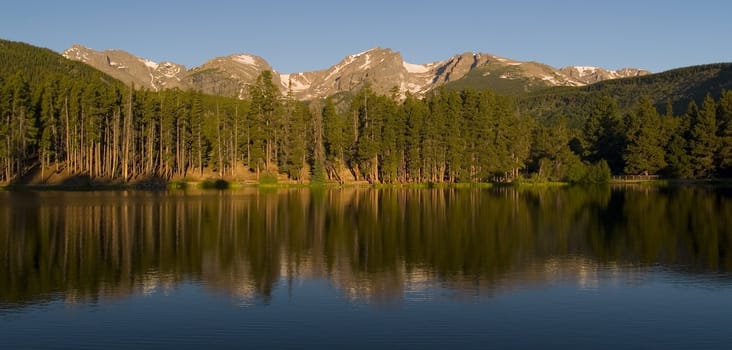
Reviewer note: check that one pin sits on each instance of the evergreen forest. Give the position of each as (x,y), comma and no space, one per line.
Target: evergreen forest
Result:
(63,117)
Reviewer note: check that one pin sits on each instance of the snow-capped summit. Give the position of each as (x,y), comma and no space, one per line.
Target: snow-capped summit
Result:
(381,69)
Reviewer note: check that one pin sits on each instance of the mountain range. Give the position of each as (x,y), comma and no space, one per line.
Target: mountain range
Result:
(381,68)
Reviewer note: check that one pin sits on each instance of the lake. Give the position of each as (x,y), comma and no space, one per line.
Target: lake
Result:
(599,267)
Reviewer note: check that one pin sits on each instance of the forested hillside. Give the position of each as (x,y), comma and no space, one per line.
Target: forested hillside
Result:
(64,118)
(677,87)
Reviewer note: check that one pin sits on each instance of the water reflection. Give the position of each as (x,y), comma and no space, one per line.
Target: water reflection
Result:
(375,246)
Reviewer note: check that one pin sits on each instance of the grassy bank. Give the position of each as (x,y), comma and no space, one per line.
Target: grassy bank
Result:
(220,184)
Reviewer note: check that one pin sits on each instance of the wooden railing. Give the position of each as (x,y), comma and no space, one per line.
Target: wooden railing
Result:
(635,178)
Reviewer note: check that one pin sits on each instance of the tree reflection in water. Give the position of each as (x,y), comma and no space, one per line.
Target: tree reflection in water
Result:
(375,246)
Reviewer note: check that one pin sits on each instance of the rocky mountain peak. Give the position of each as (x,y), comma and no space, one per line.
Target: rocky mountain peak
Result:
(77,53)
(380,68)
(129,68)
(227,75)
(591,75)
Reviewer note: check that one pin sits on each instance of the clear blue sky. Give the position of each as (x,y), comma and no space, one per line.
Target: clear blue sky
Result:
(313,34)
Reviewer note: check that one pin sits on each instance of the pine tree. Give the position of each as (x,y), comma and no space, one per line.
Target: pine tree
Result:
(296,141)
(316,140)
(520,144)
(211,135)
(370,111)
(334,138)
(198,145)
(511,140)
(550,150)
(167,122)
(434,136)
(265,115)
(484,153)
(22,128)
(455,142)
(703,140)
(393,142)
(414,113)
(678,159)
(644,151)
(603,134)
(48,146)
(724,133)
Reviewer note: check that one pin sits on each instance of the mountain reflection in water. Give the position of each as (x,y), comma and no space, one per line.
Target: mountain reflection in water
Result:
(373,246)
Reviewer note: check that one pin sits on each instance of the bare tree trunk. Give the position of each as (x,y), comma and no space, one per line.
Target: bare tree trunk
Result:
(200,155)
(249,149)
(151,149)
(81,160)
(68,134)
(178,161)
(162,163)
(99,163)
(127,135)
(268,148)
(218,141)
(115,144)
(235,141)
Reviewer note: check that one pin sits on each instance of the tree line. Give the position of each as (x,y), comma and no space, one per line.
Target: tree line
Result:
(110,131)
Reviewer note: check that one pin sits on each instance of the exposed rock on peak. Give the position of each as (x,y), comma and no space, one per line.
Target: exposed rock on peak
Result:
(227,76)
(380,68)
(591,75)
(130,68)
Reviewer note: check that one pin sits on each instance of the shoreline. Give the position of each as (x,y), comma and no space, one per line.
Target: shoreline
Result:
(220,184)
(233,185)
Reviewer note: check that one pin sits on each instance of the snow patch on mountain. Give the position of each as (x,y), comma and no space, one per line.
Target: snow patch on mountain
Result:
(245,59)
(415,68)
(584,70)
(356,55)
(75,53)
(150,64)
(414,88)
(169,70)
(297,82)
(117,65)
(550,79)
(366,64)
(338,67)
(284,80)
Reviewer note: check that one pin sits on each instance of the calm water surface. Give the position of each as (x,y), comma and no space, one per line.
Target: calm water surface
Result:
(361,268)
